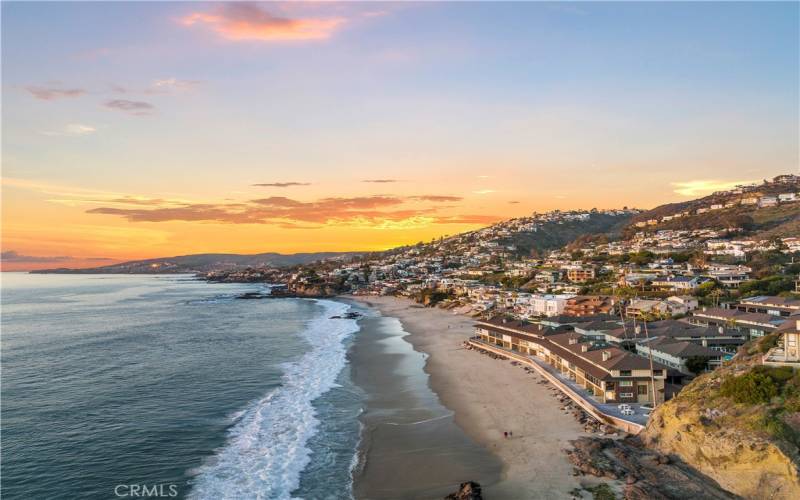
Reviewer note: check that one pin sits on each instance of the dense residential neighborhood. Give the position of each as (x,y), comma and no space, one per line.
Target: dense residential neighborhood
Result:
(680,292)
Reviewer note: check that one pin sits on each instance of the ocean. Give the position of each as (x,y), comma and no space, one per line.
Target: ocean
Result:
(165,386)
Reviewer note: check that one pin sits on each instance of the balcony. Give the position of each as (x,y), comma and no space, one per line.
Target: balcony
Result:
(777,357)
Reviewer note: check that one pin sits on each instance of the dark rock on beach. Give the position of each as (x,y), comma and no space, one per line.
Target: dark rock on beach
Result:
(467,491)
(349,315)
(253,295)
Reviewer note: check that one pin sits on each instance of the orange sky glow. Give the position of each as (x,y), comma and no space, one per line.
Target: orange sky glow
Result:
(137,130)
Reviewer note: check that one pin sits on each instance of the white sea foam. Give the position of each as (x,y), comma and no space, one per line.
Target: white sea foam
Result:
(267,447)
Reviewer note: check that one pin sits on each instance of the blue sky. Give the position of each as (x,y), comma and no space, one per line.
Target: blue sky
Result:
(550,105)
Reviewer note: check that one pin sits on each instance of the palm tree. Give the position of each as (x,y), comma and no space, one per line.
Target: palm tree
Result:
(623,294)
(716,294)
(646,317)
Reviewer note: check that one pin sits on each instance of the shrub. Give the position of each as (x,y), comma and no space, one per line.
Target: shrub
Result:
(750,388)
(775,426)
(768,342)
(601,492)
(779,374)
(792,404)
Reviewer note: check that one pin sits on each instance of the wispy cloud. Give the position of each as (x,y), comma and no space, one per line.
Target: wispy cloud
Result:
(436,198)
(176,83)
(248,22)
(380,181)
(171,85)
(699,187)
(16,257)
(377,212)
(76,196)
(53,93)
(282,184)
(132,107)
(484,191)
(72,130)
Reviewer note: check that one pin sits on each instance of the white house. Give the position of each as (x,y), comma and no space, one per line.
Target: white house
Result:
(547,304)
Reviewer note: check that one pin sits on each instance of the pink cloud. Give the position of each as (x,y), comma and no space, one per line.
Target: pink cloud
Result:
(52,93)
(241,21)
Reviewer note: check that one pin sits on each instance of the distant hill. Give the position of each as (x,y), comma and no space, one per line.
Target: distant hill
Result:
(204,262)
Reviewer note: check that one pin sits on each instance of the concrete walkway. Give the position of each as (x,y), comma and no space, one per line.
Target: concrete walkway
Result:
(606,413)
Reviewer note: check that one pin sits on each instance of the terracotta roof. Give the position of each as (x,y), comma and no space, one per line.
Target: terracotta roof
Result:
(558,340)
(619,359)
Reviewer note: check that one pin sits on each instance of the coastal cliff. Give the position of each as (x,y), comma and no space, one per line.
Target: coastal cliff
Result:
(314,290)
(740,425)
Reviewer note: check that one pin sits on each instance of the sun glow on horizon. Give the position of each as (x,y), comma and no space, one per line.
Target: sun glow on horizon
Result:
(166,128)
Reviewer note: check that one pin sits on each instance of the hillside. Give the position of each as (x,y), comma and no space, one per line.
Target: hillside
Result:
(745,209)
(201,263)
(554,235)
(740,425)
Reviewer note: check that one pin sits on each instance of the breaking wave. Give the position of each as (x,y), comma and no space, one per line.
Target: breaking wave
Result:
(266,449)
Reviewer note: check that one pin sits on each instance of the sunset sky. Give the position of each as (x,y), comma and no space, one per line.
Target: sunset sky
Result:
(136,130)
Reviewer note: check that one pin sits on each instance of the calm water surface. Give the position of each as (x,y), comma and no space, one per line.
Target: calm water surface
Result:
(164,381)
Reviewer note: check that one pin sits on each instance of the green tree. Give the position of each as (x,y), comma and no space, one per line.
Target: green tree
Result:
(697,364)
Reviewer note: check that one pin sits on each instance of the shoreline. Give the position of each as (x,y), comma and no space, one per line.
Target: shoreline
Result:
(488,397)
(410,446)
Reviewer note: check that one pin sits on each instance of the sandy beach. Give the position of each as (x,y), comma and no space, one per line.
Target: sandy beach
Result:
(489,397)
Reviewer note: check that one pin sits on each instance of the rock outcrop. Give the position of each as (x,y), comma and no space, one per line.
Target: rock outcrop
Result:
(735,444)
(644,474)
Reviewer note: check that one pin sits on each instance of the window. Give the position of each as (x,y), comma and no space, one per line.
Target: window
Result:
(657,373)
(626,394)
(626,383)
(624,373)
(642,390)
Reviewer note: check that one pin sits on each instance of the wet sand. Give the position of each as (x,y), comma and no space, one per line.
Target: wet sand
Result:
(487,398)
(411,447)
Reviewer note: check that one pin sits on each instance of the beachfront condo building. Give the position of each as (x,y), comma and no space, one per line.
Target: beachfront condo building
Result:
(608,373)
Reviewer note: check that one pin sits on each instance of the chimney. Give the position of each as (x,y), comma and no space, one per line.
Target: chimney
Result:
(606,355)
(797,324)
(573,340)
(584,347)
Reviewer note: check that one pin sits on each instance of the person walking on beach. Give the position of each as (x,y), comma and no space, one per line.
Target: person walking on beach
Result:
(510,434)
(505,434)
